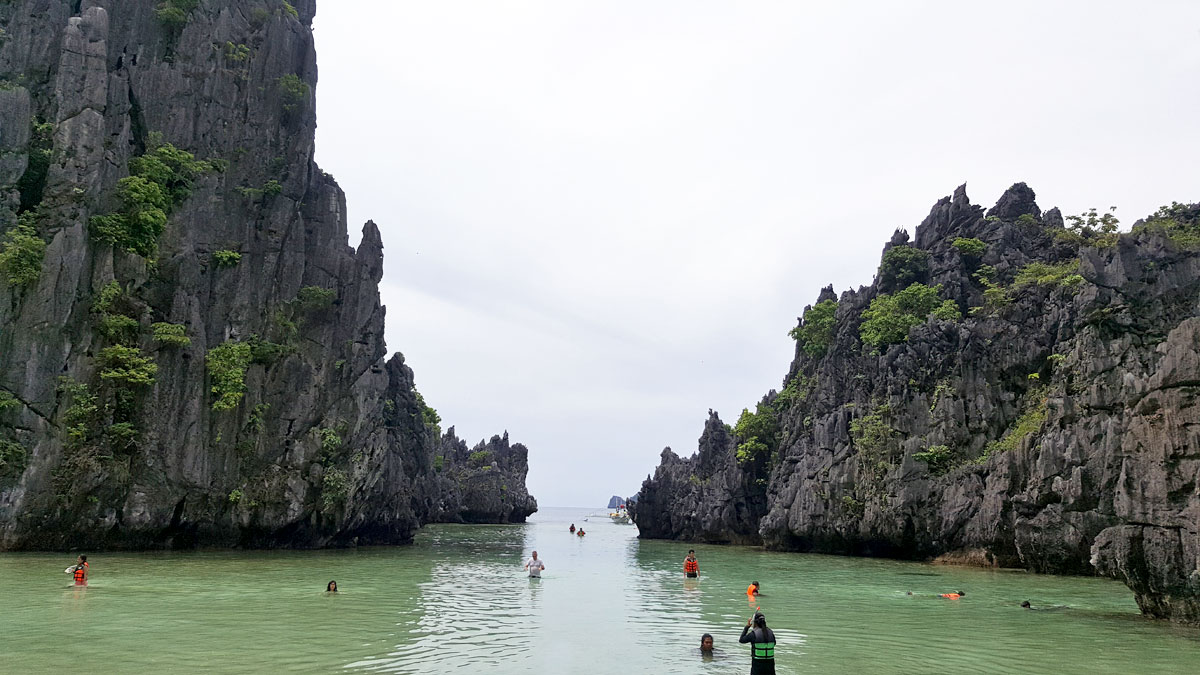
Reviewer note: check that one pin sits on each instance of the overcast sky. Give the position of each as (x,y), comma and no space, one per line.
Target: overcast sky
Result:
(600,219)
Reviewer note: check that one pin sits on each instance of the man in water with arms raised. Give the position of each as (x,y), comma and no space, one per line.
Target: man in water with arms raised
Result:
(535,566)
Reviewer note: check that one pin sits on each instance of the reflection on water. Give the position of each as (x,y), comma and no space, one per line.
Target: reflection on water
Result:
(458,600)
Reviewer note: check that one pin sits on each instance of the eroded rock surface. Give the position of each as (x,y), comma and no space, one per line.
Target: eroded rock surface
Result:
(1055,427)
(328,444)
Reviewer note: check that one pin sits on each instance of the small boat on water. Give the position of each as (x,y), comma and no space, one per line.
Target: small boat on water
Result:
(620,516)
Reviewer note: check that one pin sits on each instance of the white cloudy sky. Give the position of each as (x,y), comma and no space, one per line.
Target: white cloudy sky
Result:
(602,218)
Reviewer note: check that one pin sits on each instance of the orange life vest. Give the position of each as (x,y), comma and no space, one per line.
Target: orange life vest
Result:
(751,590)
(691,566)
(81,575)
(952,596)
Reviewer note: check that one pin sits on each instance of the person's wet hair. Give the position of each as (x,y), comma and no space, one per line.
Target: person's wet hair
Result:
(83,558)
(691,551)
(760,621)
(962,592)
(331,587)
(706,636)
(1026,605)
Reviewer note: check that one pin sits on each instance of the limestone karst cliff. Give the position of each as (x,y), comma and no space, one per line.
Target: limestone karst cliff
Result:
(191,353)
(1012,390)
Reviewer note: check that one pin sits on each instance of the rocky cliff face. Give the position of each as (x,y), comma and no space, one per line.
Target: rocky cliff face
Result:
(190,351)
(1047,417)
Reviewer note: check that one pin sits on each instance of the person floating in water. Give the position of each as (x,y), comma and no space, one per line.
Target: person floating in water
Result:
(331,587)
(536,566)
(762,645)
(706,647)
(580,533)
(752,589)
(79,571)
(952,596)
(572,528)
(691,566)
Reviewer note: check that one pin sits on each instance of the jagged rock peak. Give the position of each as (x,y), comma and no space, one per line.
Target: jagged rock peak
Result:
(242,314)
(1016,201)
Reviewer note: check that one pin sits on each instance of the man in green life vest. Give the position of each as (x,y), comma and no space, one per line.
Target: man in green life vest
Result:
(762,645)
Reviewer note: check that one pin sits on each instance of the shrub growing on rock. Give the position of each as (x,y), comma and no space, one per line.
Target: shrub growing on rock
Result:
(903,265)
(127,365)
(815,332)
(22,252)
(225,258)
(159,181)
(1043,274)
(227,363)
(939,459)
(969,247)
(171,334)
(889,318)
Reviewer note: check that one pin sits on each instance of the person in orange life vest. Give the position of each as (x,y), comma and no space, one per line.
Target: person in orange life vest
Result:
(952,596)
(580,532)
(79,571)
(691,566)
(752,589)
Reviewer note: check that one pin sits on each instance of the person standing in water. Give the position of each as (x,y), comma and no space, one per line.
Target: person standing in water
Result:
(79,571)
(691,566)
(762,645)
(572,528)
(535,566)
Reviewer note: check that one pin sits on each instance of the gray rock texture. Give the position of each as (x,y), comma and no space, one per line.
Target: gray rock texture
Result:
(329,444)
(1068,417)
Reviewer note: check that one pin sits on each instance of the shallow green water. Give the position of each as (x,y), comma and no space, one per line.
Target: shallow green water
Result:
(457,601)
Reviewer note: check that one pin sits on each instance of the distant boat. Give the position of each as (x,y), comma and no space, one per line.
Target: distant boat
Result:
(620,516)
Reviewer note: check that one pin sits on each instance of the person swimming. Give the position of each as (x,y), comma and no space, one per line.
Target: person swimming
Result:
(952,596)
(331,587)
(580,533)
(752,589)
(572,528)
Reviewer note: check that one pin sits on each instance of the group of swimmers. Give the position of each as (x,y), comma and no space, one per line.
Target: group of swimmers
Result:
(755,633)
(580,533)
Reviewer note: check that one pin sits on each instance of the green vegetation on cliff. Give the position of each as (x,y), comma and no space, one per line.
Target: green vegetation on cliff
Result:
(903,265)
(815,332)
(158,182)
(127,366)
(1064,274)
(429,417)
(1180,222)
(170,334)
(969,247)
(22,252)
(889,317)
(227,363)
(758,433)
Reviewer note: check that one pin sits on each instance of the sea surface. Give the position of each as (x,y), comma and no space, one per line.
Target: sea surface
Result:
(458,601)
